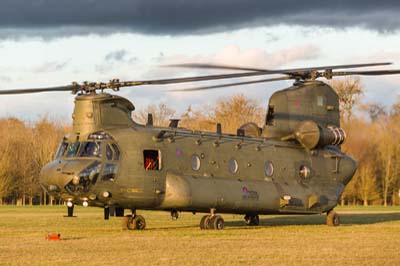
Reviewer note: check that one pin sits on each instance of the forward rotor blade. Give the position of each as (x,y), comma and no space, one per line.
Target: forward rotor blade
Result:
(36,90)
(367,73)
(277,71)
(233,84)
(115,84)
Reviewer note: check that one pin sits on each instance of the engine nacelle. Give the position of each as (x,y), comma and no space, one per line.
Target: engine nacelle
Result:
(312,135)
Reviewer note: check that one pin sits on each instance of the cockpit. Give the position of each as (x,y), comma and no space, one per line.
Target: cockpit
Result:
(88,149)
(81,163)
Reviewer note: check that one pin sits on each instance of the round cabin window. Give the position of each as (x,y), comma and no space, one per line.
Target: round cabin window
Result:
(304,172)
(233,166)
(269,169)
(196,162)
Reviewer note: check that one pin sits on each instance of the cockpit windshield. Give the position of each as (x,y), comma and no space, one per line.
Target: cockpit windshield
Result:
(62,148)
(90,149)
(72,149)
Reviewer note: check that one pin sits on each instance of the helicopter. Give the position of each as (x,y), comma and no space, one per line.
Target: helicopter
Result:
(293,164)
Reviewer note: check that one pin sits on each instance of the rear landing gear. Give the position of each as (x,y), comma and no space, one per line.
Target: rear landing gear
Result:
(216,222)
(174,215)
(252,220)
(212,221)
(133,222)
(332,218)
(204,222)
(136,222)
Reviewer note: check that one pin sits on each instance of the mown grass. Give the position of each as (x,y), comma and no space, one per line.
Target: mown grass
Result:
(367,236)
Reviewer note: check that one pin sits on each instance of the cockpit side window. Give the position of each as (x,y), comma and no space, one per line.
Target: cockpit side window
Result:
(109,172)
(61,149)
(91,149)
(109,152)
(270,116)
(72,149)
(116,152)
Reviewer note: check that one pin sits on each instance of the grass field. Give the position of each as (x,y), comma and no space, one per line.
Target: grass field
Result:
(367,236)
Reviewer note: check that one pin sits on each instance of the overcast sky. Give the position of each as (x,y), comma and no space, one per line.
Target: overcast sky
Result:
(51,43)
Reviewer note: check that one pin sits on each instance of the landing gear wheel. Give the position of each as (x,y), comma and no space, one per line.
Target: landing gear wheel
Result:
(332,218)
(205,222)
(136,222)
(252,220)
(174,215)
(125,221)
(216,223)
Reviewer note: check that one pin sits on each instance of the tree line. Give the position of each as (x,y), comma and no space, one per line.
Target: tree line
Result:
(373,139)
(25,148)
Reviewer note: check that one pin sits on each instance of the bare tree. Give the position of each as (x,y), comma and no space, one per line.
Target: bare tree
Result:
(349,91)
(161,114)
(199,119)
(395,109)
(237,110)
(231,112)
(375,111)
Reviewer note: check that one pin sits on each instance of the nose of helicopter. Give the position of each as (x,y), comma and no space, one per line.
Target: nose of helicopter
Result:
(55,175)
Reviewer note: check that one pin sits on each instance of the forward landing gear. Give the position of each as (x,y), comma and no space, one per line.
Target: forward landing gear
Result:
(252,220)
(332,218)
(212,221)
(70,209)
(133,222)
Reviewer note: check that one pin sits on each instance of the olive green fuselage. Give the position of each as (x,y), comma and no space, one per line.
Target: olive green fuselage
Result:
(195,171)
(177,186)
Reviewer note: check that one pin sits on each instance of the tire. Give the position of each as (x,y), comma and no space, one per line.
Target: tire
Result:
(255,220)
(247,219)
(332,219)
(205,222)
(217,223)
(125,221)
(252,220)
(137,223)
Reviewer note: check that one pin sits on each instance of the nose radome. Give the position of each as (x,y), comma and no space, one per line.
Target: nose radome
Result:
(57,174)
(51,176)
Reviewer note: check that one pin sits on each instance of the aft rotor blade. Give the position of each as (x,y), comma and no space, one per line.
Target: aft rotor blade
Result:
(367,73)
(191,79)
(234,84)
(36,90)
(275,71)
(212,66)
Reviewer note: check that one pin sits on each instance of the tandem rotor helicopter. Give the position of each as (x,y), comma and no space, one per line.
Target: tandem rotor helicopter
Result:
(293,164)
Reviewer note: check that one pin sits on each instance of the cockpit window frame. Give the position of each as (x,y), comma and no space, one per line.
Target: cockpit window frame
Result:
(109,152)
(62,148)
(117,152)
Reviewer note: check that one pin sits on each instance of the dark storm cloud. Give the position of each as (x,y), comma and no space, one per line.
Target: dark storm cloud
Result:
(190,16)
(117,55)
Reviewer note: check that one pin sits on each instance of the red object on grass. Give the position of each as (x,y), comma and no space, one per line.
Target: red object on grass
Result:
(50,237)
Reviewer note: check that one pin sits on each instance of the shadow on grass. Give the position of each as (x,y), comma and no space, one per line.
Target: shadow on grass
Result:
(345,219)
(70,238)
(171,228)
